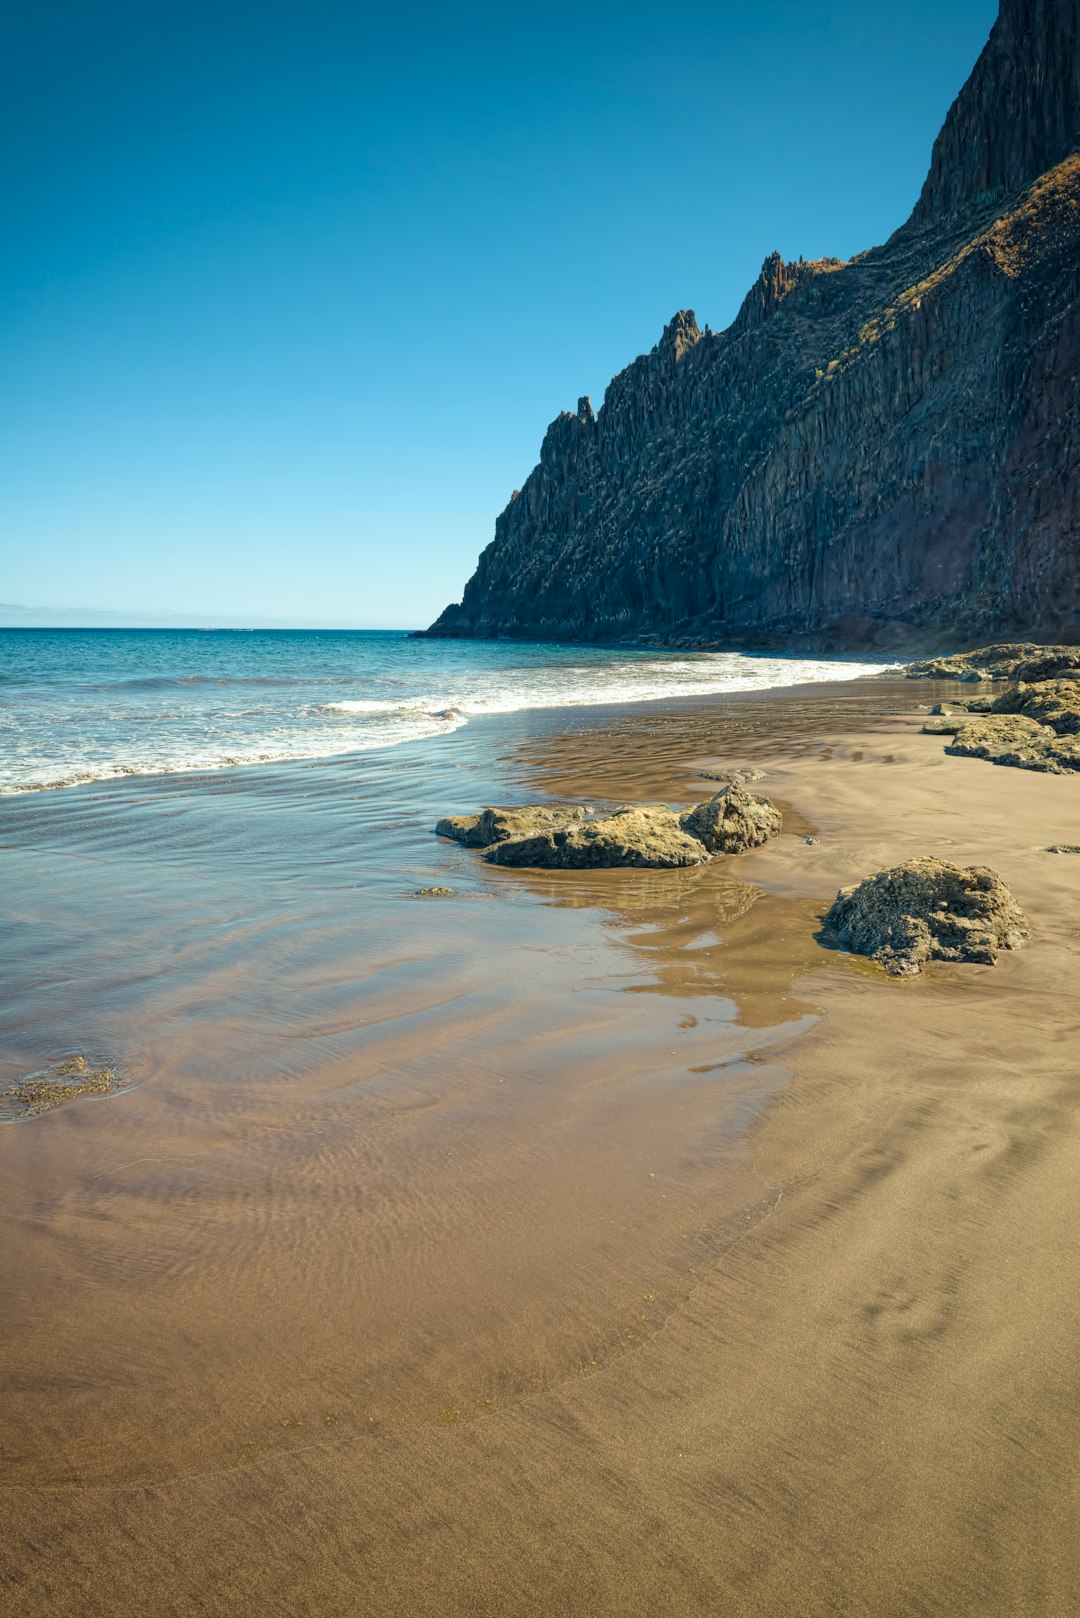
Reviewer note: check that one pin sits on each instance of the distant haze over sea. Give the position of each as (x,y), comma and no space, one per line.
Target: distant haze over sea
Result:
(14,615)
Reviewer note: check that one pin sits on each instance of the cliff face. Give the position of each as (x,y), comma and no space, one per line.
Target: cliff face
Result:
(1016,116)
(880,452)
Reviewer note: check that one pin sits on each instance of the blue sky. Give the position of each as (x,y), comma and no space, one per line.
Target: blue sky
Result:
(289,293)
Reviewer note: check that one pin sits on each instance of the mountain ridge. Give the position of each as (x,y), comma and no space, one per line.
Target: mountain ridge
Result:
(878,452)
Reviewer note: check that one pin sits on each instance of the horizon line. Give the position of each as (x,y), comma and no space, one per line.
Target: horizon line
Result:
(226,628)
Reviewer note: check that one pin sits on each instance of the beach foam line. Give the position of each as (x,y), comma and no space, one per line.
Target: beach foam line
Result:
(634,683)
(299,730)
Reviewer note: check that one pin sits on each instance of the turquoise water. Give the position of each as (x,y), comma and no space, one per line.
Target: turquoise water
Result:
(82,705)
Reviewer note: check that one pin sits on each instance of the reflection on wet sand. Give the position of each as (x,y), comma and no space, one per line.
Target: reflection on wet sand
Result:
(699,933)
(390,1160)
(481,1260)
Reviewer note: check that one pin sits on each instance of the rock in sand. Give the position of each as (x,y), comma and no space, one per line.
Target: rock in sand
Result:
(924,910)
(567,837)
(733,820)
(648,836)
(1016,739)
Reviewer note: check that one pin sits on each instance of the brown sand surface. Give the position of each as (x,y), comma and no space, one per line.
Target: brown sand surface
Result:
(630,1253)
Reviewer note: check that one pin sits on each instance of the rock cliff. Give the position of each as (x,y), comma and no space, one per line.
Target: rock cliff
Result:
(879,452)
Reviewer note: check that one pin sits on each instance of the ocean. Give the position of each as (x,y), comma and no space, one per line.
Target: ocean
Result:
(80,705)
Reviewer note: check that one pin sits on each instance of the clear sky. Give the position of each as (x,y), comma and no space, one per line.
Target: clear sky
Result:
(289,292)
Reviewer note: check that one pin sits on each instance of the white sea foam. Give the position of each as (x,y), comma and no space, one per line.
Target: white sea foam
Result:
(193,704)
(421,708)
(708,674)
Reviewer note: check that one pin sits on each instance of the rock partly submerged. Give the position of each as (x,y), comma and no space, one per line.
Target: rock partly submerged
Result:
(503,825)
(68,1080)
(927,909)
(649,836)
(1032,727)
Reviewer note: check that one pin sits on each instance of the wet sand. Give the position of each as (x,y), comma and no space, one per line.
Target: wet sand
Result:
(585,1244)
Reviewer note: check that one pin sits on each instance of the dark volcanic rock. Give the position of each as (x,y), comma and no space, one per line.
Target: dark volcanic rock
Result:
(927,909)
(1017,113)
(879,452)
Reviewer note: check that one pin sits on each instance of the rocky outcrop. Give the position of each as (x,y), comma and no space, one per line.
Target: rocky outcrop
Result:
(500,825)
(924,910)
(1051,702)
(1017,740)
(650,835)
(733,821)
(882,452)
(1010,662)
(1010,739)
(1034,727)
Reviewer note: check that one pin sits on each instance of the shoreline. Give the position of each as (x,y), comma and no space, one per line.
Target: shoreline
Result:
(823,1410)
(926,1149)
(545,714)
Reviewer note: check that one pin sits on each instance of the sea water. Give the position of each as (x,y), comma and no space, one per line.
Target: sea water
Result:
(91,704)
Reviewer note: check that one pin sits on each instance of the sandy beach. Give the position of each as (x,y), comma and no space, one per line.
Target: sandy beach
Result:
(584,1244)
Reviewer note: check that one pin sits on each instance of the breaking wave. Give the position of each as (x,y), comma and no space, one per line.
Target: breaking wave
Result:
(165,702)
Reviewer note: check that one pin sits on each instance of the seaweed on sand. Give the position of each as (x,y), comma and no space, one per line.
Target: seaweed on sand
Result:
(61,1081)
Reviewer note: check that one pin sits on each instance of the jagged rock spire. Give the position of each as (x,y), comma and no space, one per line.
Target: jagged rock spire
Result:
(680,334)
(771,286)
